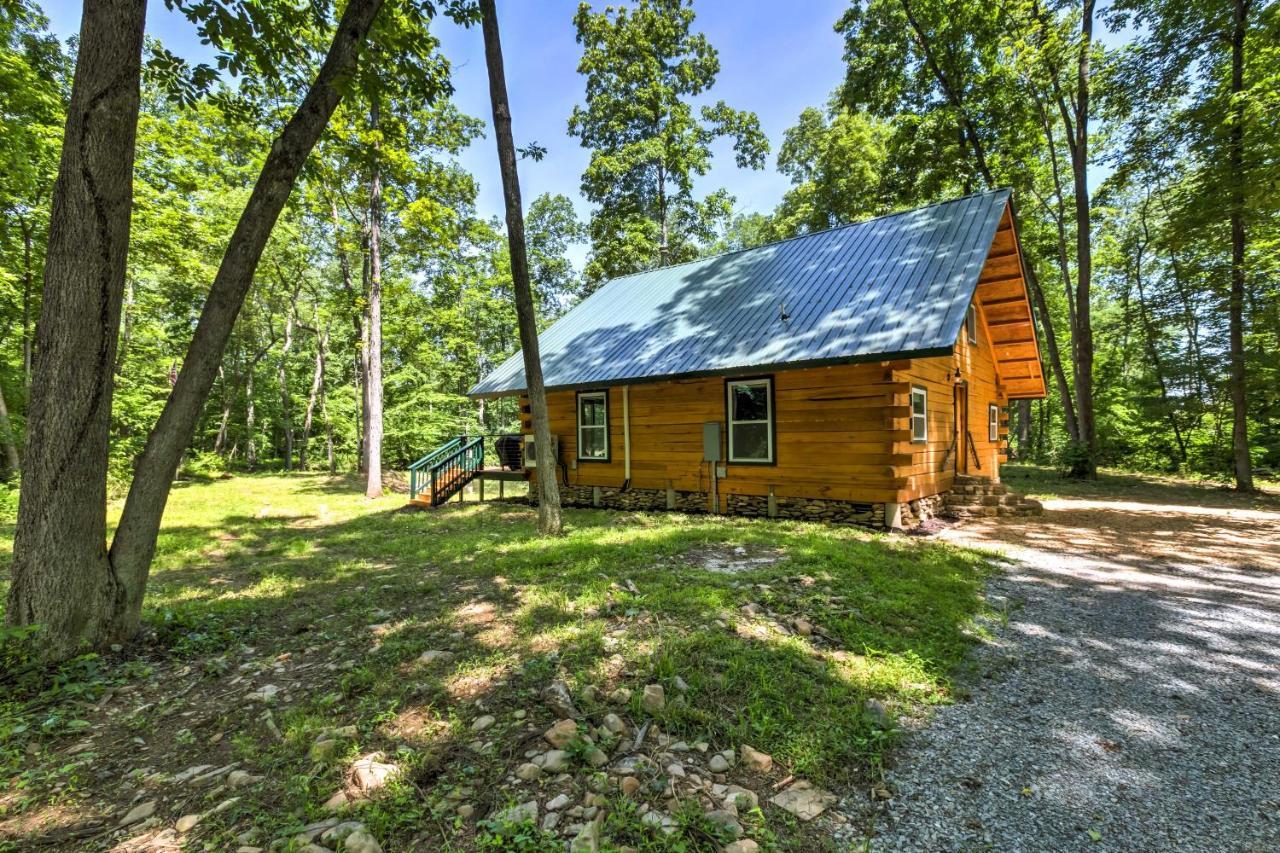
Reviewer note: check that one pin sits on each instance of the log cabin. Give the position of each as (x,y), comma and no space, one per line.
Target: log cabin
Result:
(857,375)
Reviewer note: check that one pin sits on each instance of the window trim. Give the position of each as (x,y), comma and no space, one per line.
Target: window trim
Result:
(971,323)
(772,421)
(603,394)
(993,423)
(924,416)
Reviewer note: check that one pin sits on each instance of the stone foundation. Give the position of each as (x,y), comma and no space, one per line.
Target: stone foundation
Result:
(757,506)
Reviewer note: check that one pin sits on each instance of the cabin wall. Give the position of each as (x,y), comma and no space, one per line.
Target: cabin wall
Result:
(934,462)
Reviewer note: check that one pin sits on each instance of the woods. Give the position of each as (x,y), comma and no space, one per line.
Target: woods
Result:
(278,262)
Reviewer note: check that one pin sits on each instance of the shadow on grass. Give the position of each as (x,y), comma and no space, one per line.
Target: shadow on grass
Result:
(351,603)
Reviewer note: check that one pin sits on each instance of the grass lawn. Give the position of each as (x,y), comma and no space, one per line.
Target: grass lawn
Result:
(1113,484)
(299,583)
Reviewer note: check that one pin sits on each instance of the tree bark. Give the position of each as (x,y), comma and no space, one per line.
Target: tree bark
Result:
(282,379)
(62,575)
(1083,337)
(317,383)
(135,540)
(1235,302)
(373,379)
(549,519)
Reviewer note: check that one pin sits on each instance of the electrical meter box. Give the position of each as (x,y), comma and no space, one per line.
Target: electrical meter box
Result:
(711,442)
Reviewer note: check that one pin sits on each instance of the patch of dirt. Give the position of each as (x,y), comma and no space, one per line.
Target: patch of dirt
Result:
(730,560)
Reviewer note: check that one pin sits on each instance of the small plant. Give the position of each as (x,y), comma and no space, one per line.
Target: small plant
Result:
(520,836)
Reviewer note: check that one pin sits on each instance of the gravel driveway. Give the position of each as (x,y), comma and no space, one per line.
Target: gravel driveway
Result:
(1132,701)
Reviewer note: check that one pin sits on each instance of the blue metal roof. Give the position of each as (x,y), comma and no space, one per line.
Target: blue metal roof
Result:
(892,286)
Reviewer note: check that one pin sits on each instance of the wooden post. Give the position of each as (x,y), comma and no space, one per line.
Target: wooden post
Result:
(481,488)
(501,489)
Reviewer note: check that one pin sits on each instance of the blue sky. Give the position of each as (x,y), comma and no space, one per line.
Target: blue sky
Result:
(776,59)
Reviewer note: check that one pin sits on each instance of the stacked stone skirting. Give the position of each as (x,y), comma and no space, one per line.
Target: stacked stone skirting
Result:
(758,506)
(978,497)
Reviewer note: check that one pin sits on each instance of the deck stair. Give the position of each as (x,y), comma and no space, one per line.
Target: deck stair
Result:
(445,471)
(977,497)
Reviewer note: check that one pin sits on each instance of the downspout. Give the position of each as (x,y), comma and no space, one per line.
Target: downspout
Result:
(626,437)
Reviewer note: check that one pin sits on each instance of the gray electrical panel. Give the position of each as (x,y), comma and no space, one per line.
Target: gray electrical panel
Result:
(711,442)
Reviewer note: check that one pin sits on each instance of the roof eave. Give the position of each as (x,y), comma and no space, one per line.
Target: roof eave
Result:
(738,370)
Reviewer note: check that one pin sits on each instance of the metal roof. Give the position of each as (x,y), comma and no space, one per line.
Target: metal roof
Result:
(896,285)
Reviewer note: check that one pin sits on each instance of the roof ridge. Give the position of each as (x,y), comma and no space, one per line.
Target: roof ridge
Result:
(782,240)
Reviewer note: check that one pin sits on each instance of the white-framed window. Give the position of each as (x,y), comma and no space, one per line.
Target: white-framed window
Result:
(919,414)
(971,323)
(593,426)
(749,410)
(993,422)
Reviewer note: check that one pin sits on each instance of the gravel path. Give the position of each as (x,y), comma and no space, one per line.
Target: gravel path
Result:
(1128,704)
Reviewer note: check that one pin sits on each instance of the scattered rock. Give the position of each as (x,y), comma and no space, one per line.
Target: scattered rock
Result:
(556,697)
(142,811)
(558,802)
(876,711)
(550,821)
(629,785)
(361,841)
(654,698)
(742,845)
(756,760)
(804,800)
(372,773)
(465,810)
(525,811)
(727,820)
(621,696)
(562,733)
(741,799)
(554,760)
(680,684)
(596,757)
(265,693)
(803,627)
(435,655)
(614,724)
(528,772)
(242,778)
(483,723)
(722,761)
(588,839)
(186,823)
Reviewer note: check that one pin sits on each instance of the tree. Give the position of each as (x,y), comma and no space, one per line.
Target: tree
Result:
(549,521)
(643,66)
(63,578)
(837,166)
(552,226)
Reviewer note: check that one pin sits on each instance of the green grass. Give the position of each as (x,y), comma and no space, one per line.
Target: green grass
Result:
(255,567)
(1115,484)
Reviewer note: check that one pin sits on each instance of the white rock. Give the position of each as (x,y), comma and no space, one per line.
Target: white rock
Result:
(372,773)
(804,800)
(654,698)
(614,724)
(361,841)
(142,811)
(755,760)
(483,723)
(186,823)
(525,811)
(528,772)
(559,802)
(265,693)
(435,655)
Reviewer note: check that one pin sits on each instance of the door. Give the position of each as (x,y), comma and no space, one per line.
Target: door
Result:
(962,429)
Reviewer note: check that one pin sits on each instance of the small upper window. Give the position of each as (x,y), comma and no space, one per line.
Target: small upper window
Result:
(971,323)
(919,414)
(593,425)
(993,422)
(750,410)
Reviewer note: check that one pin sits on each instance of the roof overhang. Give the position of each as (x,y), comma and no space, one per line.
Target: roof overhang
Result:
(732,371)
(1006,304)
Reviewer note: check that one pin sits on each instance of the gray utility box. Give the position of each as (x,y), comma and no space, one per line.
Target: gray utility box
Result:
(711,442)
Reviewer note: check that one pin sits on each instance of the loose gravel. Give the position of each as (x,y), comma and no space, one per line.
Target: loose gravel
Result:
(1124,705)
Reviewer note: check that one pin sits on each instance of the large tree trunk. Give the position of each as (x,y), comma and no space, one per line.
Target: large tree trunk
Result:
(28,287)
(63,577)
(135,540)
(549,521)
(1235,303)
(373,379)
(1083,332)
(7,439)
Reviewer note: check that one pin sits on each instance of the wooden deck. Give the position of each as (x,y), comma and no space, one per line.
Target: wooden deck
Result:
(501,475)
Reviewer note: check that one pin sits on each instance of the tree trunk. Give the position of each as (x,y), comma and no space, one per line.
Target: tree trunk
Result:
(28,286)
(135,540)
(1235,303)
(317,382)
(373,426)
(357,320)
(62,575)
(251,448)
(282,378)
(549,520)
(220,440)
(1024,430)
(1083,336)
(7,439)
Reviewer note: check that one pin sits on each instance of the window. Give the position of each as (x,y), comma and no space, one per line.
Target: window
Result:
(971,323)
(919,414)
(593,426)
(750,415)
(993,422)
